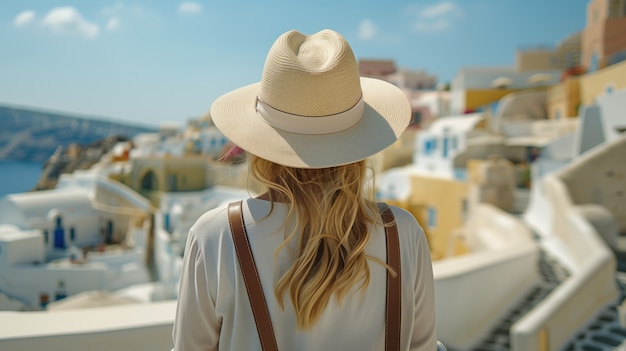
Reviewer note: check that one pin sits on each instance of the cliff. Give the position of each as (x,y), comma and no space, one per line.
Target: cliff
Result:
(34,135)
(73,157)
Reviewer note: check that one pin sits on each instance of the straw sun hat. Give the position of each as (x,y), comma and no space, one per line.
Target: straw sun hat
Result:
(311,108)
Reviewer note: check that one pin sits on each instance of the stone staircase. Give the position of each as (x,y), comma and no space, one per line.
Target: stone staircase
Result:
(605,333)
(552,274)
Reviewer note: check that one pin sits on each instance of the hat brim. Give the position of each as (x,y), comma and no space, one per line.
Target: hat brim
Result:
(386,116)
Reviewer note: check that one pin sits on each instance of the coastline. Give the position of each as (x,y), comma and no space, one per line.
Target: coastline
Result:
(18,176)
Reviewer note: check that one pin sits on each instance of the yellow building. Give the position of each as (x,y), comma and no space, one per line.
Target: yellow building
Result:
(604,36)
(563,99)
(440,206)
(154,174)
(562,57)
(603,81)
(476,98)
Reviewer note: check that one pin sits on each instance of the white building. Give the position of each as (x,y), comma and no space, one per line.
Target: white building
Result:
(88,234)
(489,78)
(437,102)
(434,153)
(210,141)
(483,78)
(64,217)
(447,137)
(205,140)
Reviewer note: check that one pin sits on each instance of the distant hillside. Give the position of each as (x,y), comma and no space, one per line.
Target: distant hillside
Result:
(34,135)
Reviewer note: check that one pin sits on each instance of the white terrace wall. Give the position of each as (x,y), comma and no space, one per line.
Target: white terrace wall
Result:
(600,178)
(128,327)
(474,291)
(167,258)
(589,288)
(29,281)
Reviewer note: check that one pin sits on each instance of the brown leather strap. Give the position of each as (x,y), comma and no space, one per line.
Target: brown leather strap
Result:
(260,311)
(394,294)
(251,278)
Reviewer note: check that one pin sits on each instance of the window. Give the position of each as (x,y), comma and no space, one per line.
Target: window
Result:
(166,222)
(460,173)
(595,62)
(617,8)
(432,217)
(417,118)
(109,232)
(149,181)
(59,234)
(609,89)
(430,145)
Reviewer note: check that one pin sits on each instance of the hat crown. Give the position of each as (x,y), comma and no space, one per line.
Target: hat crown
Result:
(314,75)
(311,108)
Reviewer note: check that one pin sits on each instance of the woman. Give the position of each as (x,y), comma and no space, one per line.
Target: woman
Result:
(316,237)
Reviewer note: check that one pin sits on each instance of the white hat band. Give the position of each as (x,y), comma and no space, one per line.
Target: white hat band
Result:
(310,125)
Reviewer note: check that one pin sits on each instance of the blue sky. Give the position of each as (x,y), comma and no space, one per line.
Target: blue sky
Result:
(150,62)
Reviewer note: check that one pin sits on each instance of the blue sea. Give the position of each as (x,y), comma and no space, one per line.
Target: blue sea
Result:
(18,177)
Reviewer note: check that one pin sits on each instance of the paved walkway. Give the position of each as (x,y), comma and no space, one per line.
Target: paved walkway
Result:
(605,333)
(552,274)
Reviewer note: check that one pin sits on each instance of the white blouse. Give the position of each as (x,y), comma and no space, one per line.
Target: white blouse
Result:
(214,312)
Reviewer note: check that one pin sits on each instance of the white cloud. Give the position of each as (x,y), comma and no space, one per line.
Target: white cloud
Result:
(445,8)
(113,23)
(189,7)
(24,18)
(437,17)
(69,20)
(367,29)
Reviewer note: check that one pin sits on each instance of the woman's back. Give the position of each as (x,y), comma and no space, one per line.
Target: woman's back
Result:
(218,309)
(308,127)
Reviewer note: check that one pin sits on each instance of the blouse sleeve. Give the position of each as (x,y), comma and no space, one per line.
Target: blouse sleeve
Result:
(424,337)
(196,326)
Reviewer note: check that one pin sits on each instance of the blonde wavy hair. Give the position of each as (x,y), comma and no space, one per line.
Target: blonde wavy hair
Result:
(334,214)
